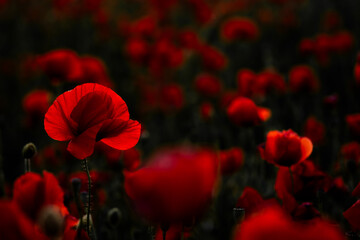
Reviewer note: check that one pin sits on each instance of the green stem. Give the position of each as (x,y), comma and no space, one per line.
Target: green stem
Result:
(88,208)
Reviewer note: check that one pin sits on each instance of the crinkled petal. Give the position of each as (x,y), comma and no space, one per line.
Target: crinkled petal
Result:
(306,148)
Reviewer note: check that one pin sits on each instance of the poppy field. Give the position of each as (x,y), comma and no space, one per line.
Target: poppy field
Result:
(179,119)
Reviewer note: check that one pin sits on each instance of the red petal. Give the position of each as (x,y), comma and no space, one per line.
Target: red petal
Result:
(306,148)
(82,146)
(53,192)
(119,134)
(264,113)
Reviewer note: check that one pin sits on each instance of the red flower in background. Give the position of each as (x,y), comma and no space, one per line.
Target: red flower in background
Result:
(171,97)
(243,112)
(212,58)
(342,41)
(285,148)
(353,122)
(131,159)
(61,65)
(352,215)
(208,85)
(351,151)
(94,71)
(137,49)
(176,184)
(246,82)
(307,46)
(357,69)
(239,28)
(32,193)
(36,103)
(302,78)
(189,39)
(269,81)
(314,130)
(206,110)
(14,225)
(203,12)
(231,160)
(90,113)
(273,224)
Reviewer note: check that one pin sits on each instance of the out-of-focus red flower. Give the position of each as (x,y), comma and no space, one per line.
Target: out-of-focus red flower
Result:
(231,160)
(36,103)
(14,225)
(246,81)
(176,184)
(206,110)
(171,97)
(61,65)
(351,151)
(353,122)
(212,58)
(342,41)
(208,85)
(302,78)
(285,148)
(112,155)
(94,71)
(352,215)
(137,49)
(307,46)
(202,11)
(243,112)
(32,193)
(307,181)
(144,27)
(90,113)
(252,202)
(239,28)
(269,81)
(131,159)
(273,224)
(322,48)
(314,130)
(357,69)
(70,231)
(305,211)
(189,39)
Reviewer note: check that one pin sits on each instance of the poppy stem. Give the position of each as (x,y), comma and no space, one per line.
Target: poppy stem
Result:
(292,181)
(85,167)
(27,165)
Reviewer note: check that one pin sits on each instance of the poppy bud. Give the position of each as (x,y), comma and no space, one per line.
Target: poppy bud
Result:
(51,221)
(114,217)
(29,150)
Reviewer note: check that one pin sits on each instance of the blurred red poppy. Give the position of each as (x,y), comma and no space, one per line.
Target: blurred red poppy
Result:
(231,160)
(212,58)
(137,49)
(171,97)
(352,215)
(351,151)
(357,69)
(314,130)
(302,78)
(90,113)
(61,65)
(239,28)
(269,81)
(32,193)
(353,122)
(176,184)
(246,81)
(273,224)
(14,225)
(206,110)
(131,159)
(307,46)
(243,112)
(94,71)
(189,39)
(285,148)
(36,103)
(208,85)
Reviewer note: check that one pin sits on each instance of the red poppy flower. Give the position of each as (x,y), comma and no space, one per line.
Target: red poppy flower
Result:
(208,85)
(305,211)
(61,65)
(32,193)
(307,46)
(243,112)
(14,225)
(246,81)
(353,122)
(239,28)
(171,97)
(137,49)
(189,39)
(351,151)
(302,78)
(231,160)
(206,110)
(273,224)
(203,12)
(352,215)
(174,185)
(212,58)
(36,103)
(307,181)
(285,148)
(269,81)
(90,113)
(342,41)
(314,130)
(94,71)
(357,70)
(144,27)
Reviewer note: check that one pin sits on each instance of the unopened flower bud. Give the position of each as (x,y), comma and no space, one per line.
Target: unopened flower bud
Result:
(29,150)
(51,221)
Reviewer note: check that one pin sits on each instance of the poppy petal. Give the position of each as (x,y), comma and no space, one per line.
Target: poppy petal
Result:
(54,193)
(306,148)
(124,135)
(82,146)
(264,113)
